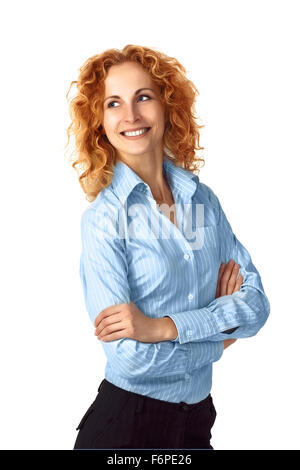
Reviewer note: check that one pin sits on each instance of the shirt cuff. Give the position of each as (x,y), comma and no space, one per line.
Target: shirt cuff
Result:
(201,329)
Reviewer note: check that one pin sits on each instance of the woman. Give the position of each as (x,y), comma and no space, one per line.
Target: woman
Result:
(166,283)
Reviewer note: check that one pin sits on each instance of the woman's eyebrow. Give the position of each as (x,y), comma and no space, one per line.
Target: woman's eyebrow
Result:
(137,91)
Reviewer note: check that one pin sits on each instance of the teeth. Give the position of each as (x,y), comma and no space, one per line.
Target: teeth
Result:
(141,131)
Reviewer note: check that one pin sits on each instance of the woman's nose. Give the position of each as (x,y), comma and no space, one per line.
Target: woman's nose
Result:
(131,113)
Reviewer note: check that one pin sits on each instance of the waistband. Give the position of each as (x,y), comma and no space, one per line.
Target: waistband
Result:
(107,386)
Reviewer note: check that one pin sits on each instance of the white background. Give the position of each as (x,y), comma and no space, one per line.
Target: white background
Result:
(244,59)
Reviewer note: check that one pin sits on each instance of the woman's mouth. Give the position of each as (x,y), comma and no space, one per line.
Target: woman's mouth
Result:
(135,137)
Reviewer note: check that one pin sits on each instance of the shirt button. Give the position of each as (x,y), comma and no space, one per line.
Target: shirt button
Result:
(186,256)
(189,333)
(187,376)
(190,296)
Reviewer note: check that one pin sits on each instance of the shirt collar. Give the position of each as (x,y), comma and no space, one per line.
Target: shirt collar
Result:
(125,180)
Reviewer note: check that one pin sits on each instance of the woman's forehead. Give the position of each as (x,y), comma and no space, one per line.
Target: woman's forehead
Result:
(128,75)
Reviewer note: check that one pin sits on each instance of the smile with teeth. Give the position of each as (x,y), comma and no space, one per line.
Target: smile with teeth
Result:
(139,132)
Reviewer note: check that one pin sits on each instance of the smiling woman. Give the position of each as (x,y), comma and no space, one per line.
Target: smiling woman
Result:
(127,90)
(163,305)
(133,119)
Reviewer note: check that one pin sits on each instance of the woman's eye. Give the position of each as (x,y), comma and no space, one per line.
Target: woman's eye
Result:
(141,96)
(109,104)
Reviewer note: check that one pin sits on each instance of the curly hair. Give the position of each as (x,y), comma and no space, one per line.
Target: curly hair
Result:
(94,154)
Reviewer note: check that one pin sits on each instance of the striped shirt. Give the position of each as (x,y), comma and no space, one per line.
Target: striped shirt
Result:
(131,251)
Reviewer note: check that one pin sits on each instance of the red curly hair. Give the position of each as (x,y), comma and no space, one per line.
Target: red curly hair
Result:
(94,154)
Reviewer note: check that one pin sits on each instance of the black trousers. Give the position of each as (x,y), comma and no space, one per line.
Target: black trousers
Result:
(119,419)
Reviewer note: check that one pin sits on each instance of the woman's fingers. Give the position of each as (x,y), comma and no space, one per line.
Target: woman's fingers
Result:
(229,279)
(228,342)
(232,279)
(238,283)
(109,324)
(221,271)
(226,276)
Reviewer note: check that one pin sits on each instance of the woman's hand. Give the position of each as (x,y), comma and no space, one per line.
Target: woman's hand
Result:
(126,321)
(228,282)
(228,342)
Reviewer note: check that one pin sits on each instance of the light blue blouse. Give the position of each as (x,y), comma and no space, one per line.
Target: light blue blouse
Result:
(131,251)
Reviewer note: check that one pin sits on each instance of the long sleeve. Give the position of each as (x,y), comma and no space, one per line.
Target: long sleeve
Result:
(243,313)
(104,277)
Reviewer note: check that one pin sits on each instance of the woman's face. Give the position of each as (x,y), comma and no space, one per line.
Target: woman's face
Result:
(132,110)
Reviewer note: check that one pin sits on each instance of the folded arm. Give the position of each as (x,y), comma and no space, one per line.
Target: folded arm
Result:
(239,315)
